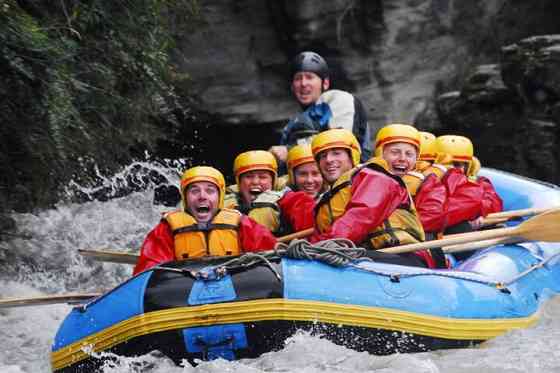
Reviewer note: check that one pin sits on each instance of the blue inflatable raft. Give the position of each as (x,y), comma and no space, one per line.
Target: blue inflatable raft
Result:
(188,310)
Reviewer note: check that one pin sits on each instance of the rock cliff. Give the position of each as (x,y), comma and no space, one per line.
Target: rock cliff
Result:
(432,62)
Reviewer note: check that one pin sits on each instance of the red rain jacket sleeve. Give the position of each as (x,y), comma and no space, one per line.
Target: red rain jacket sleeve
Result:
(255,237)
(297,210)
(374,197)
(431,204)
(464,197)
(491,201)
(158,247)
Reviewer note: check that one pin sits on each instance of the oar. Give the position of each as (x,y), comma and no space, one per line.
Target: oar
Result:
(112,256)
(543,227)
(41,300)
(293,236)
(519,213)
(486,222)
(505,216)
(481,244)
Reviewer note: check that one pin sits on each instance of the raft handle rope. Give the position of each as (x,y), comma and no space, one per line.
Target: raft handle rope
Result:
(532,268)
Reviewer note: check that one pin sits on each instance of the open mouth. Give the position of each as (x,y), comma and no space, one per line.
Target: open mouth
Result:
(400,169)
(203,209)
(310,188)
(255,191)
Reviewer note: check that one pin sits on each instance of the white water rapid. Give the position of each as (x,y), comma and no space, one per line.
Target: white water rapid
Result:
(42,259)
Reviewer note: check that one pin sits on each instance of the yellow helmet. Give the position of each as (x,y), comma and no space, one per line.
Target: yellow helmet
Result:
(298,155)
(255,160)
(397,133)
(337,138)
(203,173)
(428,149)
(459,147)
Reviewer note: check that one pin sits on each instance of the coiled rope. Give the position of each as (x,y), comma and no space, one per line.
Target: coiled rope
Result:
(336,252)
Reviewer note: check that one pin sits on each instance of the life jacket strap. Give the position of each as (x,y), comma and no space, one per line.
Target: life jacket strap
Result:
(204,227)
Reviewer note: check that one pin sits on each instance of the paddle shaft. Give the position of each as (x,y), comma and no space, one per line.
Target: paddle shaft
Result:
(480,244)
(293,236)
(518,213)
(503,217)
(463,238)
(42,300)
(110,256)
(543,227)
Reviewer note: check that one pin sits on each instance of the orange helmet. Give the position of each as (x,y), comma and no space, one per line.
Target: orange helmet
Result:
(397,133)
(460,148)
(203,173)
(428,149)
(255,160)
(298,155)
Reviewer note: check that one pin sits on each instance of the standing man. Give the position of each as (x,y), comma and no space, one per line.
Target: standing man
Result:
(323,109)
(203,227)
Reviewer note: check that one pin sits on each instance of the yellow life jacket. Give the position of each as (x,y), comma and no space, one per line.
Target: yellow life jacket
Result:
(231,200)
(216,238)
(427,168)
(281,182)
(413,180)
(264,209)
(403,225)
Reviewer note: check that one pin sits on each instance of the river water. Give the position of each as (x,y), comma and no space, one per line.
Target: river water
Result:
(41,258)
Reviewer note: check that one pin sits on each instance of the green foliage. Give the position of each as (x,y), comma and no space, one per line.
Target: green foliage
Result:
(84,80)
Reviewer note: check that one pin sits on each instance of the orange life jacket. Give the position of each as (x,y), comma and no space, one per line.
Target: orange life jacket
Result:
(219,237)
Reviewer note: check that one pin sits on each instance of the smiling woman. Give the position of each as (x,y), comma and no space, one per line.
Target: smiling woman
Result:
(303,172)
